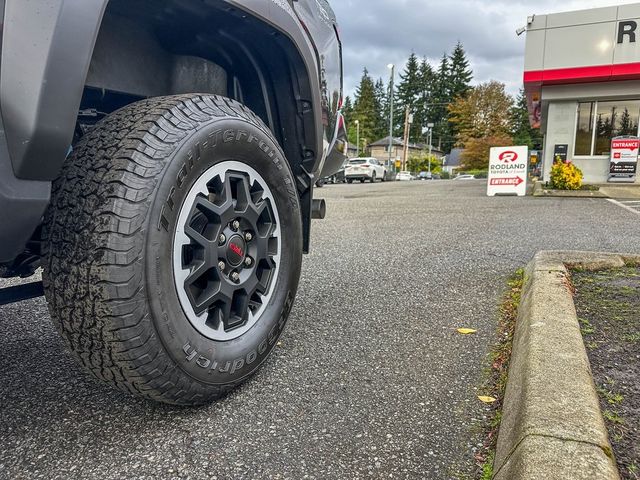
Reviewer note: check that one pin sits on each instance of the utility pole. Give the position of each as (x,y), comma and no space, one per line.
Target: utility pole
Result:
(392,67)
(430,127)
(407,123)
(358,138)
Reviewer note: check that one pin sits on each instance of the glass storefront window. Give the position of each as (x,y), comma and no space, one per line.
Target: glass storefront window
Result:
(584,133)
(615,119)
(609,119)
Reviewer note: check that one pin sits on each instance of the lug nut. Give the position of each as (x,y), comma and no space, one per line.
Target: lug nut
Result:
(222,266)
(235,276)
(222,239)
(248,261)
(248,237)
(235,225)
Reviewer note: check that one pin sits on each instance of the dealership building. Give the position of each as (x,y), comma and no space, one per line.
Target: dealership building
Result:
(582,80)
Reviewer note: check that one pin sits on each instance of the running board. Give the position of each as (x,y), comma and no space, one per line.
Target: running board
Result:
(21,292)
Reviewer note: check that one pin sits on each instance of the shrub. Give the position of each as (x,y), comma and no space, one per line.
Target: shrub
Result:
(565,176)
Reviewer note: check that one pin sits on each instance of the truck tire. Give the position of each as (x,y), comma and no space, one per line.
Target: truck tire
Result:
(174,248)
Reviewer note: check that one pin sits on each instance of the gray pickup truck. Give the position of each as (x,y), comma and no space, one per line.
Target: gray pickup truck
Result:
(157,160)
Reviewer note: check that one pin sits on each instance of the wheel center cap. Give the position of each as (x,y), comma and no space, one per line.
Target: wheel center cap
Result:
(236,250)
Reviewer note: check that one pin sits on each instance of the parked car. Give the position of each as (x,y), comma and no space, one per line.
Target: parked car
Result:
(404,176)
(465,177)
(156,160)
(365,169)
(338,177)
(425,176)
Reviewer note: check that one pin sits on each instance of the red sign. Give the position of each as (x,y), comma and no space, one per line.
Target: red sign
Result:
(506,181)
(508,156)
(629,144)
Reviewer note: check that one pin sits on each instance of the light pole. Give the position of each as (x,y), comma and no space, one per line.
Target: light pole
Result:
(358,138)
(430,127)
(392,67)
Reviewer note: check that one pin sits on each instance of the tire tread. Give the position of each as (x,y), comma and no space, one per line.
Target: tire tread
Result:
(94,254)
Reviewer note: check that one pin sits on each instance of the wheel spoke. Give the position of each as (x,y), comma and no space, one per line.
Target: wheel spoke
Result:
(263,282)
(240,192)
(196,273)
(206,299)
(197,237)
(224,313)
(212,211)
(240,309)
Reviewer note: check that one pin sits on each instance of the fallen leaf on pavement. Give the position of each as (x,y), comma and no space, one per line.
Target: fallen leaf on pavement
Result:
(466,331)
(485,399)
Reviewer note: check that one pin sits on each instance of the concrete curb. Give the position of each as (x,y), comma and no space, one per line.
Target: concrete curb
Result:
(552,427)
(539,191)
(607,190)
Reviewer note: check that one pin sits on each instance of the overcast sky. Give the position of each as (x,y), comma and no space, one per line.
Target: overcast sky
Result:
(378,32)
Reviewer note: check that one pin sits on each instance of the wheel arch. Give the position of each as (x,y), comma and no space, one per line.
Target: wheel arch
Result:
(99,55)
(252,51)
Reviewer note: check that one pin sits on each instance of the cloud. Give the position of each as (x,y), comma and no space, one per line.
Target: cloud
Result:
(378,32)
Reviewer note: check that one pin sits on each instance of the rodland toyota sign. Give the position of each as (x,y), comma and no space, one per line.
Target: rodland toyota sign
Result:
(624,159)
(508,171)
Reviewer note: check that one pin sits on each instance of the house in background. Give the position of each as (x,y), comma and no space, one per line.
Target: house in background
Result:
(453,161)
(352,151)
(380,150)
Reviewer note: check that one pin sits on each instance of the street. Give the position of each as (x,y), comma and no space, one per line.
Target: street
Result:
(370,379)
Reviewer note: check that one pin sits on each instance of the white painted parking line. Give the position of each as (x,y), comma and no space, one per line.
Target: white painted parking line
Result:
(631,206)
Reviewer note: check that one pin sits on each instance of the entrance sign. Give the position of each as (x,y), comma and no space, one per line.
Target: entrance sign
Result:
(623,166)
(508,171)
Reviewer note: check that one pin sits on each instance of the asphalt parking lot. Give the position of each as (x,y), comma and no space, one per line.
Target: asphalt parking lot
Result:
(370,379)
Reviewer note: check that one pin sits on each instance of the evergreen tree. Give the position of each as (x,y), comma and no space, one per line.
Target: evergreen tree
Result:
(409,93)
(627,126)
(366,109)
(521,130)
(348,113)
(427,87)
(460,75)
(459,80)
(382,98)
(439,112)
(347,110)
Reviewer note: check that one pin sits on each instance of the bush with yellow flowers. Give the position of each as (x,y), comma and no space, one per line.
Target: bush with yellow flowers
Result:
(565,176)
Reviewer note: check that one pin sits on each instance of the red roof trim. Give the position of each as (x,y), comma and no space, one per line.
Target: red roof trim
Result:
(602,73)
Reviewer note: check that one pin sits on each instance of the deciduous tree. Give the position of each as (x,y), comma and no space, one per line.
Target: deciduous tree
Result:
(483,119)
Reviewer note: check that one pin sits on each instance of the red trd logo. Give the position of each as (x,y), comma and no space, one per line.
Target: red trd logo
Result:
(508,157)
(236,249)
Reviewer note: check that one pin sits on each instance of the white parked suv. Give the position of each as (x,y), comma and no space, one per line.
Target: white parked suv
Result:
(365,169)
